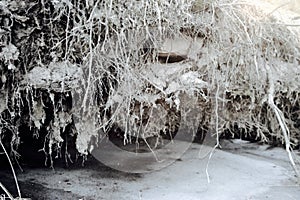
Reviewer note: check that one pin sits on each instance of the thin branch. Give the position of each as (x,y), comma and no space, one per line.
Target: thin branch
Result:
(6,191)
(12,168)
(281,119)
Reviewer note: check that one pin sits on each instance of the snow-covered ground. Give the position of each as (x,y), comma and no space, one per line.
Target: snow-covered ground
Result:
(239,171)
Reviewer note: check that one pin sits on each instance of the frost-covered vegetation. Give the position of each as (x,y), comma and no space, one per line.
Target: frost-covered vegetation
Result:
(79,69)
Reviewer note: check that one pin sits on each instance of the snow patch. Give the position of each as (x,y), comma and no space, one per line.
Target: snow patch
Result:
(59,76)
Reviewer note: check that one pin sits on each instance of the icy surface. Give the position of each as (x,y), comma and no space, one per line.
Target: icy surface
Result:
(241,171)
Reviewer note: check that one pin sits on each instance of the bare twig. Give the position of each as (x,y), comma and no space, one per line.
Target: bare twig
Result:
(281,120)
(6,191)
(12,169)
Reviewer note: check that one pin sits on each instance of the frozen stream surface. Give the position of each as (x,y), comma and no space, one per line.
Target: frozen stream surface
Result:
(238,171)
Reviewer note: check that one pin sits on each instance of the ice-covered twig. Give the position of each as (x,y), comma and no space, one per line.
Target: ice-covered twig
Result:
(280,118)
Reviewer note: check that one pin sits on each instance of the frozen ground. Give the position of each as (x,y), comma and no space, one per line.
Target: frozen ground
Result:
(238,171)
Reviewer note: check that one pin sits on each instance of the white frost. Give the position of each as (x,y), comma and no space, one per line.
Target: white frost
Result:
(59,76)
